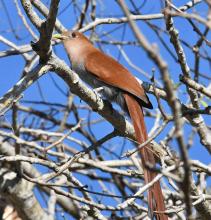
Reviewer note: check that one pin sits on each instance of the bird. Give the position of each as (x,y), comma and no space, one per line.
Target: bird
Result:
(114,82)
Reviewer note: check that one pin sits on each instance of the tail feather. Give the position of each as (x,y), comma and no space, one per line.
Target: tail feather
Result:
(155,196)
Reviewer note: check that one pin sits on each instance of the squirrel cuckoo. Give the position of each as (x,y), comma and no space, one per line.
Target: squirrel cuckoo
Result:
(117,85)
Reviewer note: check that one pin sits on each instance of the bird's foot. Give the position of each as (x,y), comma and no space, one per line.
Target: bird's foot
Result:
(98,90)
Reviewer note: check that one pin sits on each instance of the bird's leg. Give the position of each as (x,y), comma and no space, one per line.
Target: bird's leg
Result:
(99,92)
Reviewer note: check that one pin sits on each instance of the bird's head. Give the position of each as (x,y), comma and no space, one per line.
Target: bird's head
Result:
(75,43)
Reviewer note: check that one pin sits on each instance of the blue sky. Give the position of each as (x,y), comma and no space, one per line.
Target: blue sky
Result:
(11,67)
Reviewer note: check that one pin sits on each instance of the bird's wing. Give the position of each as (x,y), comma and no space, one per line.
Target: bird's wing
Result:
(100,65)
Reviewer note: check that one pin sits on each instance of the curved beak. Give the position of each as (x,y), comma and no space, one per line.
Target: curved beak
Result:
(59,37)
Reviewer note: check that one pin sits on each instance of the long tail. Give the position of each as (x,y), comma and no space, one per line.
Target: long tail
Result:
(155,196)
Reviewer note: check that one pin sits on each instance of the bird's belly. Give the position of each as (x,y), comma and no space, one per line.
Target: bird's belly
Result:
(86,77)
(111,93)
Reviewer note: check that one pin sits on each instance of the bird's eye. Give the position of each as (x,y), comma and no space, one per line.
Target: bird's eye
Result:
(73,35)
